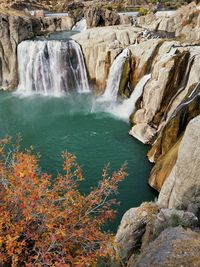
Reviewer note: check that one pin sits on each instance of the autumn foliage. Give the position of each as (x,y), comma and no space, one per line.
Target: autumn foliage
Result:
(46,221)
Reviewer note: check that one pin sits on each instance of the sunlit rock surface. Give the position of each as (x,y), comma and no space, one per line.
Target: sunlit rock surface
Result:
(13,30)
(182,187)
(101,46)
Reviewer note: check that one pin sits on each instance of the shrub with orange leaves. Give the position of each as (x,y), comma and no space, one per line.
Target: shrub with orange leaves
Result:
(46,221)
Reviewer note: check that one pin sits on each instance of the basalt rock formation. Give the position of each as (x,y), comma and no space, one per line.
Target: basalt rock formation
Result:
(182,187)
(13,30)
(97,16)
(100,47)
(170,100)
(49,24)
(15,27)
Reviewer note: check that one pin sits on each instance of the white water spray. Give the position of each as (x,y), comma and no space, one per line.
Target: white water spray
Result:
(125,109)
(114,77)
(80,26)
(51,68)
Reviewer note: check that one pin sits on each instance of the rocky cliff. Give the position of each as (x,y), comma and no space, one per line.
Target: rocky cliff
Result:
(13,29)
(166,233)
(163,116)
(100,47)
(166,117)
(170,98)
(182,187)
(185,22)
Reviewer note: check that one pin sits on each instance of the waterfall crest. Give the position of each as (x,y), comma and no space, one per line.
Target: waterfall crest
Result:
(51,68)
(114,77)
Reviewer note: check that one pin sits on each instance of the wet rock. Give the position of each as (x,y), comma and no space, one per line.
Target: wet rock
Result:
(172,132)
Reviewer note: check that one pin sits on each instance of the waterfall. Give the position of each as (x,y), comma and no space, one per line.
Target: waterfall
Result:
(80,26)
(125,109)
(114,77)
(189,98)
(51,68)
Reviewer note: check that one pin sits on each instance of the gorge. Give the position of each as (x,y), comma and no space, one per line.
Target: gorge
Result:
(80,92)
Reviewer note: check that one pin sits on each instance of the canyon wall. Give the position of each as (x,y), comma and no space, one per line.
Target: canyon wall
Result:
(100,47)
(15,27)
(13,30)
(182,187)
(166,233)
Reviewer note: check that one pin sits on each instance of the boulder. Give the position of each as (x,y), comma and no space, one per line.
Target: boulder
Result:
(175,247)
(49,24)
(172,218)
(98,16)
(132,228)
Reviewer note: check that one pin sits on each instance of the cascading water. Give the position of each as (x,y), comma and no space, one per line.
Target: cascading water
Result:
(125,109)
(80,26)
(51,68)
(114,77)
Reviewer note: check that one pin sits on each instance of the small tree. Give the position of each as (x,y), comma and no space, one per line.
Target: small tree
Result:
(46,221)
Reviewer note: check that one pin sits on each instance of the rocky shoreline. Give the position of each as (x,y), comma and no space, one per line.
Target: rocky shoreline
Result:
(166,117)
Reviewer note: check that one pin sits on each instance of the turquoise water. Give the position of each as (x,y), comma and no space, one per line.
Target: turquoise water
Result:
(56,124)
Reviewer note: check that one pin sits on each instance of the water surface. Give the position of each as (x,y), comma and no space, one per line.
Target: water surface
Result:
(96,138)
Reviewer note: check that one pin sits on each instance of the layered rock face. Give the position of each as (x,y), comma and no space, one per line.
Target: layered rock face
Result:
(13,30)
(182,188)
(170,100)
(100,47)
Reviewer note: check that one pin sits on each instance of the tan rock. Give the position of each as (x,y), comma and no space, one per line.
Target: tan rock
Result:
(175,247)
(182,187)
(184,22)
(57,24)
(13,30)
(163,167)
(132,228)
(143,132)
(101,46)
